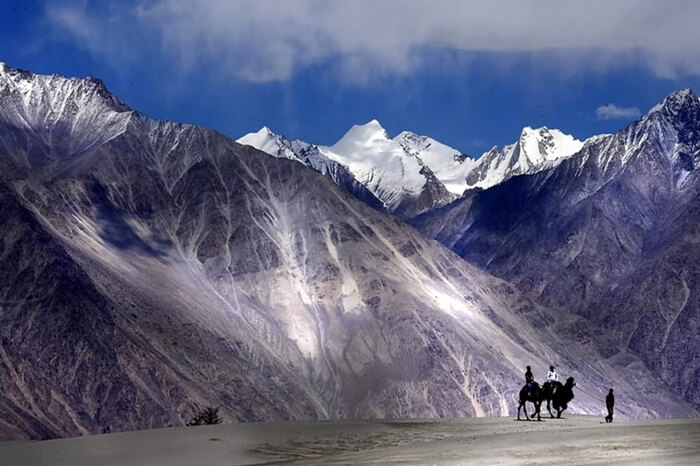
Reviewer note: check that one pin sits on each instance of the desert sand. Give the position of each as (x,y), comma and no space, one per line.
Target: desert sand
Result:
(573,440)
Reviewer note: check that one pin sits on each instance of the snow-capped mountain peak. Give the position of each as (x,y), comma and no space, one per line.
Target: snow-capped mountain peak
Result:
(449,165)
(268,141)
(87,114)
(368,135)
(408,174)
(379,163)
(418,145)
(367,151)
(543,144)
(674,123)
(90,90)
(307,154)
(677,113)
(673,103)
(536,150)
(677,100)
(261,135)
(372,125)
(401,170)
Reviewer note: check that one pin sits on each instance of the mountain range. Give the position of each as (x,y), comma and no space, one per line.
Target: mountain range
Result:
(618,226)
(412,174)
(149,268)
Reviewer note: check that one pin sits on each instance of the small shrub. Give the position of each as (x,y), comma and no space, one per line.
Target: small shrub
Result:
(205,417)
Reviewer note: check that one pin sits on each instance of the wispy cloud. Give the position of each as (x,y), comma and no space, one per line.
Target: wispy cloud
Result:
(270,40)
(614,112)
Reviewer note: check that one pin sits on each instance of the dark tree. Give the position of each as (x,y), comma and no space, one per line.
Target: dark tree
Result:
(207,416)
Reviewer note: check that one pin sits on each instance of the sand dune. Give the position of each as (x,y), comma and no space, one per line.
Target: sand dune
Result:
(574,440)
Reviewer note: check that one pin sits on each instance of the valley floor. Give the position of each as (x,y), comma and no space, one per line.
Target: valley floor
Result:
(574,440)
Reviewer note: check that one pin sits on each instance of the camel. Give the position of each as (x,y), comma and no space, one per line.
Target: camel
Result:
(560,397)
(534,395)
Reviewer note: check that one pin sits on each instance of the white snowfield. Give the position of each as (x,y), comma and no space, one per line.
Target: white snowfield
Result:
(504,441)
(395,169)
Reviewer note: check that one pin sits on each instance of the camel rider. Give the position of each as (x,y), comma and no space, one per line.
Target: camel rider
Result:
(529,378)
(552,377)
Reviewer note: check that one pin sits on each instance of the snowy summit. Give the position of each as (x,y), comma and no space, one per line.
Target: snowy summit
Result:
(419,171)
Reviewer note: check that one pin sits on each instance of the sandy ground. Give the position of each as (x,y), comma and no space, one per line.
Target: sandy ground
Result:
(574,440)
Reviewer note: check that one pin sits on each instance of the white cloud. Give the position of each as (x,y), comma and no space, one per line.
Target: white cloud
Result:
(269,40)
(613,112)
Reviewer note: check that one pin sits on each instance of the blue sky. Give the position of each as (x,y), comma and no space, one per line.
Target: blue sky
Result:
(470,77)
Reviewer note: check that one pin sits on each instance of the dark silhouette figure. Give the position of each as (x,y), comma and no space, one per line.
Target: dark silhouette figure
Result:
(534,394)
(529,378)
(610,404)
(558,395)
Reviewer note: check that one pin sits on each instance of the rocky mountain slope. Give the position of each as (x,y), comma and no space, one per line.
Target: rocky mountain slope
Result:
(150,267)
(610,234)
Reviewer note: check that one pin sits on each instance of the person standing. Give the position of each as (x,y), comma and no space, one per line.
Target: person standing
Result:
(610,404)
